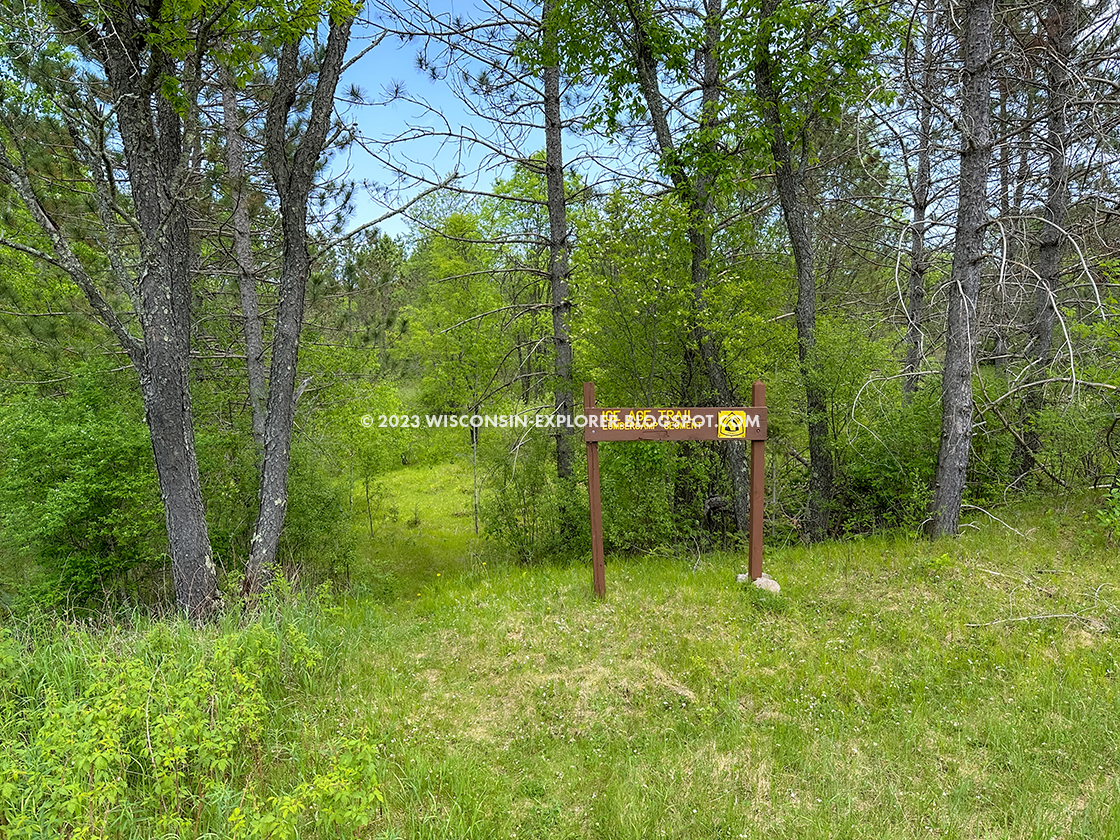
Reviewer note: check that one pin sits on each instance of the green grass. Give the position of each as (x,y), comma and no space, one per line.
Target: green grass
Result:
(423,526)
(889,691)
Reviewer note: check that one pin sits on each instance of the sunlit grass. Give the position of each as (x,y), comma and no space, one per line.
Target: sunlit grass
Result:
(858,702)
(894,688)
(422,529)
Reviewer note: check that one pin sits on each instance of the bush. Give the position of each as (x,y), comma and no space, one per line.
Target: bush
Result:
(1074,436)
(526,508)
(317,539)
(887,468)
(79,498)
(168,732)
(640,510)
(81,518)
(1109,516)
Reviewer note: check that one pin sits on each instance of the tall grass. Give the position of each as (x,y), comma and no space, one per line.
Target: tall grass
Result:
(901,689)
(160,729)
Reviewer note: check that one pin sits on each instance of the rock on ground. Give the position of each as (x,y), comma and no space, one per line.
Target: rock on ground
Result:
(765,582)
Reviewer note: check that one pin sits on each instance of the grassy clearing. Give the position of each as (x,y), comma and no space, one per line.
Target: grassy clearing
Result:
(857,703)
(860,702)
(422,526)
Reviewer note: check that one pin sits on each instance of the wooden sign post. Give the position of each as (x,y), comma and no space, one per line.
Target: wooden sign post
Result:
(598,560)
(611,424)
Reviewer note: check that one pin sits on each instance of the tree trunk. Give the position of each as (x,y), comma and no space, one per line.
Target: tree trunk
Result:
(161,296)
(243,254)
(919,261)
(796,216)
(163,385)
(697,195)
(152,137)
(964,281)
(293,173)
(557,244)
(700,237)
(1061,24)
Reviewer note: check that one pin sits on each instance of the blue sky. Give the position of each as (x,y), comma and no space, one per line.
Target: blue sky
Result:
(420,106)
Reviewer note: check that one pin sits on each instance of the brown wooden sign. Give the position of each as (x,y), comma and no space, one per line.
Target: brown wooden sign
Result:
(745,423)
(720,424)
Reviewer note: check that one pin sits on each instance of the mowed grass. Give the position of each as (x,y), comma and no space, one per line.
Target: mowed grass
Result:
(422,527)
(963,689)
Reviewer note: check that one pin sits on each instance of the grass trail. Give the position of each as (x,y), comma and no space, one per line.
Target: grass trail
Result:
(422,529)
(858,703)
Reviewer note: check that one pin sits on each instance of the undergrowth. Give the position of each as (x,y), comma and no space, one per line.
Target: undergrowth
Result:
(164,730)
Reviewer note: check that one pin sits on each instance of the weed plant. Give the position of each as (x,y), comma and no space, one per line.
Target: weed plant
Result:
(163,730)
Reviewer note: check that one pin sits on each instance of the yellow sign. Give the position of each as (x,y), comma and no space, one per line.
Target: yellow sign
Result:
(726,423)
(733,424)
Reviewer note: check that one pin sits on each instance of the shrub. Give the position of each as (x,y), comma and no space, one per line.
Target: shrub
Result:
(526,508)
(1109,516)
(638,492)
(168,733)
(78,492)
(317,529)
(1074,436)
(317,540)
(887,467)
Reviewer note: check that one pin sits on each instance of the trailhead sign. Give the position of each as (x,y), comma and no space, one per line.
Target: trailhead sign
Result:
(732,423)
(675,423)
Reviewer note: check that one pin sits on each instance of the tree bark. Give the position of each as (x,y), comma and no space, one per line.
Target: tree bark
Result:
(1061,25)
(152,138)
(557,244)
(160,358)
(962,339)
(243,254)
(292,168)
(797,220)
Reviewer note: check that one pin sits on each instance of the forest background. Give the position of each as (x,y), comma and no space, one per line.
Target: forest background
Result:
(248,591)
(902,219)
